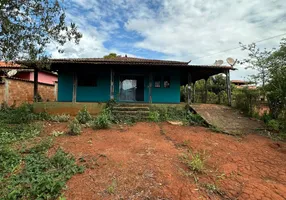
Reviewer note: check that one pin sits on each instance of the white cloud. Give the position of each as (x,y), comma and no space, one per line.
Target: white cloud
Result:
(180,29)
(189,29)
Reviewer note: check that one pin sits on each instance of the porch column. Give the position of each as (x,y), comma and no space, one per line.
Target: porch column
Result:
(150,87)
(194,92)
(36,73)
(228,88)
(206,91)
(74,87)
(189,88)
(111,84)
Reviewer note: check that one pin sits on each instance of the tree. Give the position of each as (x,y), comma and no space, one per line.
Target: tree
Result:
(258,61)
(112,55)
(277,81)
(28,26)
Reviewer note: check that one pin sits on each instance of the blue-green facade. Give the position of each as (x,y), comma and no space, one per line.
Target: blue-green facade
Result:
(101,92)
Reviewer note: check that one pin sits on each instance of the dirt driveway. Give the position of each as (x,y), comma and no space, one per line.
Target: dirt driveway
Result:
(142,162)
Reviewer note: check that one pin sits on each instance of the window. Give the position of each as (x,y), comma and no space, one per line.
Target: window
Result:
(167,81)
(157,82)
(86,80)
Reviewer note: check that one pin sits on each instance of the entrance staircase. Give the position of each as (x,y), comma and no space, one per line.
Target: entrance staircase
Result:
(132,112)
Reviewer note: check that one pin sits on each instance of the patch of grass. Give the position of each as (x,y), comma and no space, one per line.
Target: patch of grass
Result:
(74,127)
(41,177)
(154,116)
(60,118)
(111,188)
(43,146)
(212,188)
(22,114)
(58,133)
(83,116)
(9,161)
(194,161)
(11,133)
(195,119)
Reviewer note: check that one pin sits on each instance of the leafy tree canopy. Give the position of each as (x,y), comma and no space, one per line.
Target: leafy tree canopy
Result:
(111,55)
(28,26)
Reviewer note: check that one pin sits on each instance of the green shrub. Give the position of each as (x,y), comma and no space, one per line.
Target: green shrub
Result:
(60,118)
(103,120)
(273,125)
(74,127)
(154,116)
(83,116)
(246,100)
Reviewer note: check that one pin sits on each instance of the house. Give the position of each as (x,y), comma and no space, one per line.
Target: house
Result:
(128,79)
(243,84)
(25,73)
(17,84)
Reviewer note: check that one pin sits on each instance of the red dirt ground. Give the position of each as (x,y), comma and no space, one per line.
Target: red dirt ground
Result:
(142,162)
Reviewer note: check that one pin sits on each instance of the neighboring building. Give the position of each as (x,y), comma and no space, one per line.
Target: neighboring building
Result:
(27,74)
(242,84)
(17,84)
(127,79)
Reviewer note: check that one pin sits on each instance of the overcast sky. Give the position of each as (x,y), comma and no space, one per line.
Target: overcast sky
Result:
(174,29)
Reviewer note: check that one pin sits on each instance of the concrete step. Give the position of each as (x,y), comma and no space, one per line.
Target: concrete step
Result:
(141,112)
(131,105)
(123,108)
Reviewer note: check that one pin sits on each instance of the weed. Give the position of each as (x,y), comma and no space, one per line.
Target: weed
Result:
(195,119)
(111,188)
(194,161)
(83,116)
(102,121)
(12,133)
(60,118)
(43,146)
(74,127)
(273,125)
(154,116)
(211,188)
(58,133)
(41,177)
(9,160)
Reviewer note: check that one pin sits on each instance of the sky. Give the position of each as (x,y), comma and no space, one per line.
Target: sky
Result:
(182,30)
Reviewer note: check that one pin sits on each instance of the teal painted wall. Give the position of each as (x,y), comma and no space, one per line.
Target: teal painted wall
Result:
(65,86)
(167,95)
(101,92)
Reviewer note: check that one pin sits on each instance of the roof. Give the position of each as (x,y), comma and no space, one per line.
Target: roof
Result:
(126,61)
(239,81)
(119,60)
(9,65)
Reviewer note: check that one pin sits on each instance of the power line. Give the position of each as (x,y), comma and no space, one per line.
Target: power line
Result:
(239,47)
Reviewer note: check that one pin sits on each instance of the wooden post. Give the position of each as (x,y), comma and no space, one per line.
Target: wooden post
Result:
(36,73)
(111,84)
(150,87)
(189,87)
(228,88)
(206,91)
(74,87)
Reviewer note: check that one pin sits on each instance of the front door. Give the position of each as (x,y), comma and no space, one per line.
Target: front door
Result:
(131,88)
